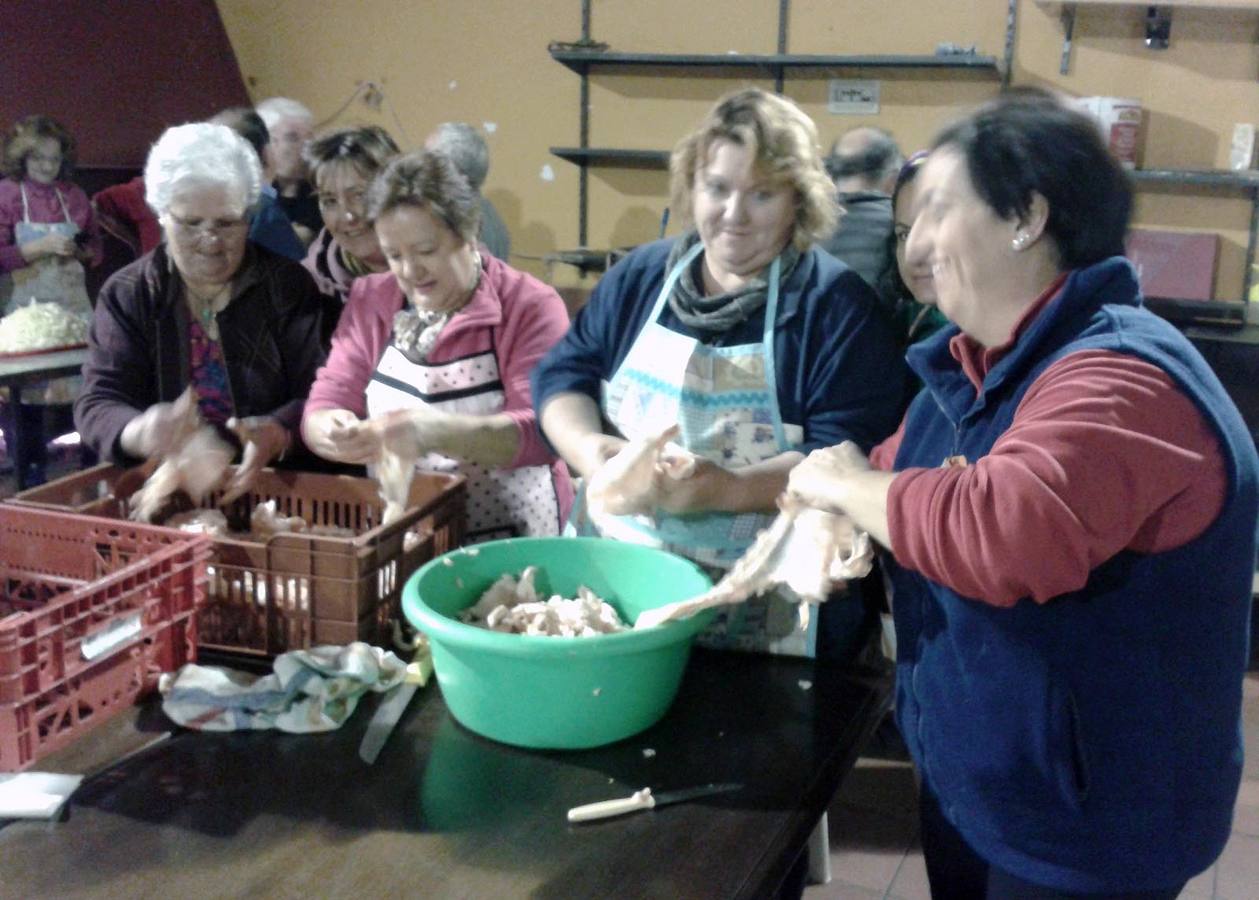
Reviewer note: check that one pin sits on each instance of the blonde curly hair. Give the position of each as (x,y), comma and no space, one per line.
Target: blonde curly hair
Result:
(784,142)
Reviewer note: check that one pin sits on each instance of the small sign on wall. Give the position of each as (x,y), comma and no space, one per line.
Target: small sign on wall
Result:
(848,97)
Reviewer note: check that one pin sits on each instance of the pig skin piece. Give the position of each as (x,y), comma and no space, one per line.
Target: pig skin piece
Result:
(804,548)
(625,484)
(393,474)
(195,463)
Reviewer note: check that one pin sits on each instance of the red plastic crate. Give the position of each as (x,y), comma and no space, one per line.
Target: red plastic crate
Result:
(297,590)
(92,611)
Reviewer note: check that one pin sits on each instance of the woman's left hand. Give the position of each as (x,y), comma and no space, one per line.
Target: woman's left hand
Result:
(264,439)
(818,481)
(699,491)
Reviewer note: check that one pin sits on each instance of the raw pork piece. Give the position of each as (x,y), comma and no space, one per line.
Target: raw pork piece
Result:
(515,607)
(804,548)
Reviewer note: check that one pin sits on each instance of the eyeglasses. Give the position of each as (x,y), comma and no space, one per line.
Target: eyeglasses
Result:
(217,228)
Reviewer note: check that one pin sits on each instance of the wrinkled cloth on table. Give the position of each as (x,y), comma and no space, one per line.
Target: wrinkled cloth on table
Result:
(308,690)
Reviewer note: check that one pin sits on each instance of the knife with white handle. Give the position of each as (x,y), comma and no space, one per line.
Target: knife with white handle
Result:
(643,799)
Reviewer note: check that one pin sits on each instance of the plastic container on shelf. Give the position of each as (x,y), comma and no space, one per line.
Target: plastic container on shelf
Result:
(297,590)
(92,611)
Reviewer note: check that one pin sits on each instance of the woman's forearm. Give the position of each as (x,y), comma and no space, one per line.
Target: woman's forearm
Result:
(572,423)
(492,441)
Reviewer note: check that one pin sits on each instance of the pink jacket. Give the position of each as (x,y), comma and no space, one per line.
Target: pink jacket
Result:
(44,208)
(513,313)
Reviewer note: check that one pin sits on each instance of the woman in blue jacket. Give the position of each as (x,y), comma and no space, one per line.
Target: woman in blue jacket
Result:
(759,346)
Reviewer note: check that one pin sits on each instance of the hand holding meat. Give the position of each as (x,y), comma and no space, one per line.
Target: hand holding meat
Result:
(340,435)
(810,551)
(160,427)
(634,480)
(263,439)
(815,482)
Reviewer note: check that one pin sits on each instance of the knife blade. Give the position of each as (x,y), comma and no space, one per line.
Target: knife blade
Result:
(389,712)
(645,799)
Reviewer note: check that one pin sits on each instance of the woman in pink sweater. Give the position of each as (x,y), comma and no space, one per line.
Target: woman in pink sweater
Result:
(436,355)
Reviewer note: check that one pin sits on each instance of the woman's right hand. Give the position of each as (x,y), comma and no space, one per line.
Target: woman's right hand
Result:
(51,244)
(156,428)
(339,435)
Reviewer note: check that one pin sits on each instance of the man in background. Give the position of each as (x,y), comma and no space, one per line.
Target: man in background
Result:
(270,227)
(864,162)
(468,151)
(291,125)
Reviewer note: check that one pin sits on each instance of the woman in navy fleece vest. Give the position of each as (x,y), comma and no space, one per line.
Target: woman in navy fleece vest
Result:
(1071,505)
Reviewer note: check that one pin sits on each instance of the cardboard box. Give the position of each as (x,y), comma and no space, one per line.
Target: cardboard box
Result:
(1177,265)
(1119,121)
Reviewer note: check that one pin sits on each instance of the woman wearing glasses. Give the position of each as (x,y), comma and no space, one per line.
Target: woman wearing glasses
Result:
(206,308)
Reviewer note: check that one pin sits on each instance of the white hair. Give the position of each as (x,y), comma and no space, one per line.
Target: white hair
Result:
(466,149)
(202,154)
(274,110)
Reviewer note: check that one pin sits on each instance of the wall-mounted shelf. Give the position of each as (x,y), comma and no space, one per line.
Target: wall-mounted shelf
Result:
(582,61)
(1158,19)
(1223,179)
(585,55)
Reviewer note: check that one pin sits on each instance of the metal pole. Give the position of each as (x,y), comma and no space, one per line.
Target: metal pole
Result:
(784,8)
(583,186)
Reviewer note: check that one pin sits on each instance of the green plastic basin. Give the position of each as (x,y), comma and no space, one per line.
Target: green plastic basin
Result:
(551,692)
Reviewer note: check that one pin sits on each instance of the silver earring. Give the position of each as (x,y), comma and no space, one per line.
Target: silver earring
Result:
(1020,241)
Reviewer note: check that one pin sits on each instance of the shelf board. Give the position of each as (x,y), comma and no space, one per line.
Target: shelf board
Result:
(581,61)
(612,156)
(1231,313)
(1190,4)
(1247,180)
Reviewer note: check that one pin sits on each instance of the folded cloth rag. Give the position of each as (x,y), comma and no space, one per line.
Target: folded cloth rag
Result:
(308,690)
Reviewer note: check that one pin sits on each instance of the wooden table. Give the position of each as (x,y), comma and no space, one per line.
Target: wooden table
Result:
(19,371)
(445,813)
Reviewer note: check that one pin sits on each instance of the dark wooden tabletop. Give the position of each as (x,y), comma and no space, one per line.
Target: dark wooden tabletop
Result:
(445,813)
(22,370)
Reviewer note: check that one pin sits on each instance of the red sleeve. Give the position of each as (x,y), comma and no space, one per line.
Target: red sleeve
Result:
(1104,454)
(357,345)
(884,455)
(534,320)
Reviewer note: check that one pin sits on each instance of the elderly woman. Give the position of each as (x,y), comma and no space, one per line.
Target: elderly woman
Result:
(758,345)
(437,354)
(1072,587)
(471,156)
(343,164)
(206,308)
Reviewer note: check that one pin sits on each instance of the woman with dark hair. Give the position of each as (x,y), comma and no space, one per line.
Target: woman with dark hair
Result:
(908,291)
(1071,507)
(342,165)
(436,355)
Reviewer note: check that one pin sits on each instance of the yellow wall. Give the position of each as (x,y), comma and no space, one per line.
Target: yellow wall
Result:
(487,61)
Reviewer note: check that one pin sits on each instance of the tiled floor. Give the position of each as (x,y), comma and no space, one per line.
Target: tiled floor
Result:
(874,832)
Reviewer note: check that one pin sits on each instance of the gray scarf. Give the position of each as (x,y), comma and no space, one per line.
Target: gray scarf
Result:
(718,312)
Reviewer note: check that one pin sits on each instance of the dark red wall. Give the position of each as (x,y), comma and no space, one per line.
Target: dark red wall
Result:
(115,72)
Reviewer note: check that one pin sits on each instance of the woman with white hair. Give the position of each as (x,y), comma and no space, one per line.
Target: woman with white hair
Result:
(205,308)
(291,126)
